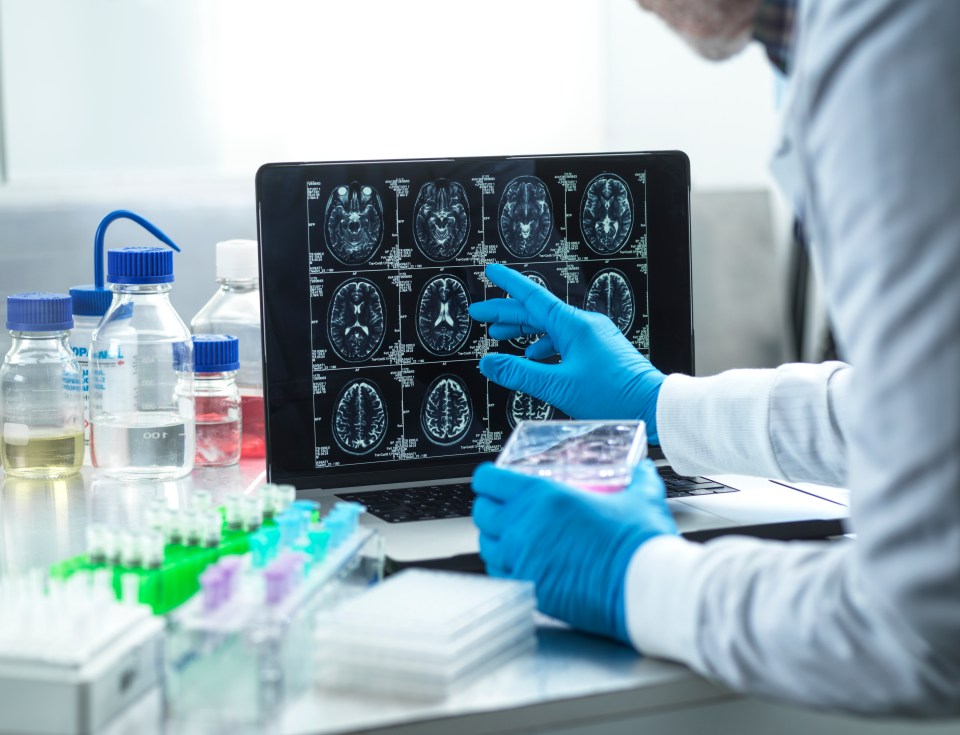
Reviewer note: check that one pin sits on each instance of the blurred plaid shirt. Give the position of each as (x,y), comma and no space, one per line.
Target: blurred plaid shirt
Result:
(774,29)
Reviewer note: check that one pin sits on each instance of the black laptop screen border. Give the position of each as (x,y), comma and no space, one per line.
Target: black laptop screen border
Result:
(285,288)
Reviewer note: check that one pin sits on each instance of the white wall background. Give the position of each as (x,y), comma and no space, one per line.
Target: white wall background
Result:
(167,107)
(107,90)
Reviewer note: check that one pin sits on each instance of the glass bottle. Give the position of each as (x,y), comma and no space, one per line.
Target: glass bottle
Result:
(141,366)
(235,309)
(218,406)
(40,396)
(89,306)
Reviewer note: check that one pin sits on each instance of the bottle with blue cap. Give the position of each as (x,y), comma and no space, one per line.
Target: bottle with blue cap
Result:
(141,367)
(216,360)
(41,402)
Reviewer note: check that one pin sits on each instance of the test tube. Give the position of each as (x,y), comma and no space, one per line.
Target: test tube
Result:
(151,549)
(192,522)
(212,529)
(111,546)
(289,525)
(201,500)
(230,567)
(96,552)
(234,514)
(155,516)
(285,495)
(276,582)
(261,549)
(252,512)
(172,527)
(268,497)
(129,549)
(212,584)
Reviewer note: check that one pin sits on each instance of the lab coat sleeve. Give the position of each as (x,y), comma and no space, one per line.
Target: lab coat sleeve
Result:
(787,423)
(871,625)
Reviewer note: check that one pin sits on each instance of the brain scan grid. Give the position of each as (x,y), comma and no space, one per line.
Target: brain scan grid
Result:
(396,257)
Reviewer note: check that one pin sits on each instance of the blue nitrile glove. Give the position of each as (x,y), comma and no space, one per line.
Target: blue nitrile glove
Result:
(574,545)
(600,374)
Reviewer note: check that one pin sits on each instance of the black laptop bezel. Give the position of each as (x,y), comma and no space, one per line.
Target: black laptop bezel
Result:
(281,215)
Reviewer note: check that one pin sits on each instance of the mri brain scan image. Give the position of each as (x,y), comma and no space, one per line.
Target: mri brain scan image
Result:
(443,321)
(607,216)
(359,417)
(610,293)
(441,219)
(447,412)
(353,222)
(524,407)
(526,216)
(523,342)
(356,323)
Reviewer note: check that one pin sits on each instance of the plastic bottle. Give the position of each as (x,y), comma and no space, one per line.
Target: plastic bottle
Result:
(215,363)
(89,305)
(40,396)
(141,366)
(235,309)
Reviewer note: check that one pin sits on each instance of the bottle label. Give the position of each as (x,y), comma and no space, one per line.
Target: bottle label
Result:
(83,359)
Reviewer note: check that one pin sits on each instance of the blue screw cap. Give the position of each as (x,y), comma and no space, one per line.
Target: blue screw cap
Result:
(215,353)
(140,266)
(39,312)
(89,300)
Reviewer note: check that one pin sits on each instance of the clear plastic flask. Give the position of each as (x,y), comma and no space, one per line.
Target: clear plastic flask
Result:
(141,367)
(40,396)
(235,309)
(89,305)
(217,399)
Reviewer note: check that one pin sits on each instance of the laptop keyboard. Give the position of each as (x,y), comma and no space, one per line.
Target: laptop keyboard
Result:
(436,502)
(418,503)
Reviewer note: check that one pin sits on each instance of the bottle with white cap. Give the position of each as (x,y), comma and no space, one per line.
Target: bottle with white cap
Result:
(235,309)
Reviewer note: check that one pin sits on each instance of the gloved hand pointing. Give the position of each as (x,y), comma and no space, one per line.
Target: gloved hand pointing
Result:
(574,545)
(600,375)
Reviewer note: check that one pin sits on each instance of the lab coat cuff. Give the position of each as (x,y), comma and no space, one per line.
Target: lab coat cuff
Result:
(718,424)
(662,599)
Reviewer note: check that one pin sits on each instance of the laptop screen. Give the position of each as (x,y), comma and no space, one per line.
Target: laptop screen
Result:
(368,270)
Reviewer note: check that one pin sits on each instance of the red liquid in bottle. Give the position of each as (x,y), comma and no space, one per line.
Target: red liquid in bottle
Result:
(253,443)
(218,434)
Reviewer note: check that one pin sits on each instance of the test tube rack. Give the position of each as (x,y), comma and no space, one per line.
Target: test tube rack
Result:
(169,557)
(71,655)
(238,650)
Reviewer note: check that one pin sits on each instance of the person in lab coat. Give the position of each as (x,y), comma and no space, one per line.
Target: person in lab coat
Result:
(869,157)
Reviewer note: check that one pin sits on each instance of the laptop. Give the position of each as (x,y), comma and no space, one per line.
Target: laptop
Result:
(371,379)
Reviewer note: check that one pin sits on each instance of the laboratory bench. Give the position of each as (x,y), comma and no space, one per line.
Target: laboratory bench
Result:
(571,683)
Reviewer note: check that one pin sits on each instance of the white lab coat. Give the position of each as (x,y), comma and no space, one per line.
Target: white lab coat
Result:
(870,157)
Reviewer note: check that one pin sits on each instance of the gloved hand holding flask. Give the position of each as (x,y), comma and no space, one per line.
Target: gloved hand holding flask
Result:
(600,374)
(574,545)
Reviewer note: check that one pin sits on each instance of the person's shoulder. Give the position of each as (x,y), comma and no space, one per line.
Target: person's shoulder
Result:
(842,35)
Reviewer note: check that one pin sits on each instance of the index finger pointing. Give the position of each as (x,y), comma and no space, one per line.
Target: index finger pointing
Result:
(543,306)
